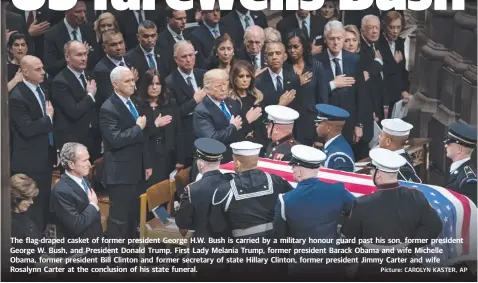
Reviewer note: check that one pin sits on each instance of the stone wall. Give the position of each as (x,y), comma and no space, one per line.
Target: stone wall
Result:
(443,76)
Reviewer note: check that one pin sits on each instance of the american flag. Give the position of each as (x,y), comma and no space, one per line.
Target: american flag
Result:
(457,212)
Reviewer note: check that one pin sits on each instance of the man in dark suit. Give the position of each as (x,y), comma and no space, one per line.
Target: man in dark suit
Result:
(278,85)
(208,31)
(184,84)
(129,21)
(174,32)
(340,69)
(252,47)
(217,116)
(395,74)
(126,163)
(312,26)
(114,48)
(239,19)
(73,95)
(145,56)
(32,147)
(73,204)
(372,63)
(15,23)
(72,27)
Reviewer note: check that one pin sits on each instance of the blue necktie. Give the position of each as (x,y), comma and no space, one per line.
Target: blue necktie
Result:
(224,110)
(151,63)
(280,88)
(43,104)
(132,109)
(85,185)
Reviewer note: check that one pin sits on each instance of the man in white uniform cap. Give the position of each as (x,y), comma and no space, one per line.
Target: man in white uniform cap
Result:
(279,129)
(313,210)
(244,207)
(392,212)
(394,136)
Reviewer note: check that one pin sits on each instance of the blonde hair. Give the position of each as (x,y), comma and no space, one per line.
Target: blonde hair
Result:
(353,29)
(104,16)
(22,188)
(272,35)
(210,75)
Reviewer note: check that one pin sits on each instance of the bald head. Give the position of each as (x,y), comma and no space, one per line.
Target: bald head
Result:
(76,55)
(254,39)
(32,69)
(185,56)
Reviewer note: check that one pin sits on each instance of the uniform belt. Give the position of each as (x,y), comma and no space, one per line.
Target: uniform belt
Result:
(382,247)
(252,230)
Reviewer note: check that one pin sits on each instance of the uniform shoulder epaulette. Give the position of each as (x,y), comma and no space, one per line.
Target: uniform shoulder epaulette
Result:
(469,172)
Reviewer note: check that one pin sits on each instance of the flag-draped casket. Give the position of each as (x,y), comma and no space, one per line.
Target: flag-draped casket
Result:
(457,212)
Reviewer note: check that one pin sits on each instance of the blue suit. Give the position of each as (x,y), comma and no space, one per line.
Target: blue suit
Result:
(339,155)
(312,210)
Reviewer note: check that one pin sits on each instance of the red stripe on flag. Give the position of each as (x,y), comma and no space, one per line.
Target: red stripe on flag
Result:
(465,227)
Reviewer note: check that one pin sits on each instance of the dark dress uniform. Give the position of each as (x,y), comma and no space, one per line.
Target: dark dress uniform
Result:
(313,209)
(281,149)
(245,208)
(407,172)
(462,178)
(392,212)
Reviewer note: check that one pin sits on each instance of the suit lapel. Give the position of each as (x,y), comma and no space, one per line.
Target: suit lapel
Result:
(327,67)
(346,64)
(199,80)
(76,188)
(214,110)
(71,78)
(182,84)
(31,97)
(122,107)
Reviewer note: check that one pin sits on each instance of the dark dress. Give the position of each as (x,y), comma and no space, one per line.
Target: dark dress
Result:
(12,69)
(165,145)
(256,131)
(23,227)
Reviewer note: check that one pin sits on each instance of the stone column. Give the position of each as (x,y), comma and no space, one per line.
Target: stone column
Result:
(5,150)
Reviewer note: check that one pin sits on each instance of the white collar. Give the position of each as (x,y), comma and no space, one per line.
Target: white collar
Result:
(77,180)
(70,28)
(400,151)
(146,52)
(77,74)
(306,20)
(274,75)
(125,100)
(174,34)
(218,103)
(185,76)
(331,56)
(331,140)
(455,165)
(242,16)
(210,27)
(31,86)
(115,61)
(366,41)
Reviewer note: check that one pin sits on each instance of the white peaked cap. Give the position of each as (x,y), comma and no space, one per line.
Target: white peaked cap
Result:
(246,148)
(281,114)
(396,127)
(386,160)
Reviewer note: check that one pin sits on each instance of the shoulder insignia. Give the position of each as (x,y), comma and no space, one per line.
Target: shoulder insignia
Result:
(189,193)
(469,172)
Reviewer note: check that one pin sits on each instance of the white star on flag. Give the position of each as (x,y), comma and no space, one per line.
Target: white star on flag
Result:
(448,207)
(433,194)
(439,211)
(435,201)
(446,219)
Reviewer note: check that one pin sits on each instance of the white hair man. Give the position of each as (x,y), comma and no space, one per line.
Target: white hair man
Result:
(254,38)
(125,157)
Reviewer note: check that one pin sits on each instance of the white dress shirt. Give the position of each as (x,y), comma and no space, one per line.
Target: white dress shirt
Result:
(274,78)
(391,44)
(332,66)
(116,62)
(331,141)
(307,23)
(79,182)
(175,35)
(455,165)
(146,56)
(125,101)
(218,104)
(373,46)
(33,88)
(34,16)
(242,17)
(136,12)
(77,75)
(70,30)
(193,79)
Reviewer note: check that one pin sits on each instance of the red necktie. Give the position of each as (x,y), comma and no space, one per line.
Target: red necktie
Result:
(30,19)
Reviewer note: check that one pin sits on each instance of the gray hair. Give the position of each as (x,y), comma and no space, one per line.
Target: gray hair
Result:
(333,26)
(115,75)
(180,44)
(68,153)
(147,25)
(366,18)
(254,28)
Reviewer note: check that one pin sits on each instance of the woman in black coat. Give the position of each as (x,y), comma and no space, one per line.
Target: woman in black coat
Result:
(163,127)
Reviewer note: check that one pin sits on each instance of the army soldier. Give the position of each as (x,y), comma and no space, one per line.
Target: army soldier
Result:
(392,212)
(459,145)
(394,136)
(330,122)
(245,207)
(312,210)
(196,199)
(280,125)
